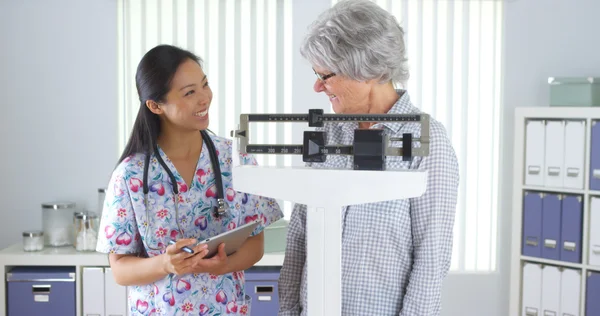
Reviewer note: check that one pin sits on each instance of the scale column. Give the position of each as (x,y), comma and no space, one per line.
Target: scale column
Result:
(324,260)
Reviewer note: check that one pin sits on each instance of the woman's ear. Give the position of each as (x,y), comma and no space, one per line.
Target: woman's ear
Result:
(153,107)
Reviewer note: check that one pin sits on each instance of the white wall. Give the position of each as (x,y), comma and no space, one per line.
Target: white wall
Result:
(543,38)
(58,94)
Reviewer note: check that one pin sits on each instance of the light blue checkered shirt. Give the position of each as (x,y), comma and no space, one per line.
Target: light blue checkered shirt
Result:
(395,254)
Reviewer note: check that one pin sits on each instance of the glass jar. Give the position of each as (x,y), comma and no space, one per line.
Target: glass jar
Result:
(57,220)
(87,231)
(33,240)
(101,196)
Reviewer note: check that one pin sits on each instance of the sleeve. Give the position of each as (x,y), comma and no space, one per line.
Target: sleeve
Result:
(118,230)
(258,207)
(290,276)
(432,216)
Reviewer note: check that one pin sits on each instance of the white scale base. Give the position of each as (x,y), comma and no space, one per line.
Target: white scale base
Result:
(325,192)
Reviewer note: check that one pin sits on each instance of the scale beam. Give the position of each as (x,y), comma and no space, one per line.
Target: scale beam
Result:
(369,149)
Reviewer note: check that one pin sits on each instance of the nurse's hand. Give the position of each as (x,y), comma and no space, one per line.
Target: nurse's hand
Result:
(216,265)
(179,262)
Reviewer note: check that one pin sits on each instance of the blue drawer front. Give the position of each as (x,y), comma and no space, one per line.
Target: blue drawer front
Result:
(261,286)
(41,291)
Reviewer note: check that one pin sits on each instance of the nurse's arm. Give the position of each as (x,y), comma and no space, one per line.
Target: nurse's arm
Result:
(130,270)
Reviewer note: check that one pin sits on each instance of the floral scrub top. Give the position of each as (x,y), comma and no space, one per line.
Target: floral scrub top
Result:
(126,229)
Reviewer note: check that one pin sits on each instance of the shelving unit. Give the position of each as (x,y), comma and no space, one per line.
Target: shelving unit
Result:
(551,162)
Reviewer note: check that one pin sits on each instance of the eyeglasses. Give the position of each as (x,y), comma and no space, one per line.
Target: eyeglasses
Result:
(323,77)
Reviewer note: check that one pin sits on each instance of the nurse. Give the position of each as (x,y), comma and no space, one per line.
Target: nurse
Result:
(162,279)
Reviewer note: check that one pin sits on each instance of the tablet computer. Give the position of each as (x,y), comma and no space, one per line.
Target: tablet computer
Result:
(233,239)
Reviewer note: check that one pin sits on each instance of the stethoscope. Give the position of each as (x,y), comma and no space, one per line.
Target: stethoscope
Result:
(220,209)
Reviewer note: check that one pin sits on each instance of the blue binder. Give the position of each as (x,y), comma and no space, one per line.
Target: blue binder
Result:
(595,156)
(571,228)
(592,303)
(551,209)
(532,224)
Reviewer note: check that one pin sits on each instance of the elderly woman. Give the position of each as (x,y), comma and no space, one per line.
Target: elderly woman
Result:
(395,254)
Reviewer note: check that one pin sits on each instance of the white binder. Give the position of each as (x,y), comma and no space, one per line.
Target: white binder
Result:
(92,288)
(570,292)
(534,153)
(554,154)
(551,291)
(594,244)
(532,289)
(116,295)
(574,154)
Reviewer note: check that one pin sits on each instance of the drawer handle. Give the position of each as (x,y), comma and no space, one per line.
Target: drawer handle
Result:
(550,243)
(570,246)
(534,169)
(264,289)
(572,172)
(530,311)
(553,171)
(549,313)
(596,249)
(531,241)
(41,293)
(596,173)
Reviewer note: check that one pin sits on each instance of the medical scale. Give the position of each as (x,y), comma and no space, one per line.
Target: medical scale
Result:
(326,191)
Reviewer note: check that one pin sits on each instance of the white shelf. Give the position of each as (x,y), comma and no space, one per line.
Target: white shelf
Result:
(522,114)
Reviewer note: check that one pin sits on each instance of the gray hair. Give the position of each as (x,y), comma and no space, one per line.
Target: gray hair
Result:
(360,40)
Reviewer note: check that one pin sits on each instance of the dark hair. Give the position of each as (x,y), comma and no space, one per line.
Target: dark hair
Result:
(153,81)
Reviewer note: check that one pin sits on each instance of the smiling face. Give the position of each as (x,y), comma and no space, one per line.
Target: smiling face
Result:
(347,96)
(187,102)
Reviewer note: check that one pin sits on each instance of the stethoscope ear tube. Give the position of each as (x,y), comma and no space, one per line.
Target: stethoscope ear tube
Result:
(220,209)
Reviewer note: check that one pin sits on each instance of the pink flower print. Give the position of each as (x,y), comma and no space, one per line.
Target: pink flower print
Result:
(124,239)
(122,213)
(201,175)
(174,234)
(182,286)
(244,309)
(211,192)
(158,188)
(161,232)
(230,194)
(231,307)
(135,184)
(249,219)
(182,187)
(221,297)
(203,309)
(187,307)
(231,225)
(141,306)
(109,231)
(162,213)
(213,277)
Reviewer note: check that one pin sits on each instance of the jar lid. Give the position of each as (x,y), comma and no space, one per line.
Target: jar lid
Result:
(85,215)
(58,205)
(102,190)
(33,233)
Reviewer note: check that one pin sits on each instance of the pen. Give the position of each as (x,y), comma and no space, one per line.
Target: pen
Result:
(184,248)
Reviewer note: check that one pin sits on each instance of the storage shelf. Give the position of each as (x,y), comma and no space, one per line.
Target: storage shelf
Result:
(553,190)
(553,262)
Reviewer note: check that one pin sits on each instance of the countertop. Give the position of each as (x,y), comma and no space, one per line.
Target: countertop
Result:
(60,256)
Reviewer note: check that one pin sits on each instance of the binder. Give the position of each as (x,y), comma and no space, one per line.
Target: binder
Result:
(571,228)
(532,224)
(551,215)
(534,152)
(574,154)
(551,291)
(570,292)
(592,292)
(554,150)
(116,295)
(92,291)
(532,289)
(595,156)
(594,230)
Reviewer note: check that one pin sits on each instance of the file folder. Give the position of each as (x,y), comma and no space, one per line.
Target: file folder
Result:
(592,299)
(92,290)
(532,289)
(595,156)
(574,154)
(551,291)
(570,292)
(532,224)
(571,228)
(534,152)
(594,229)
(116,296)
(554,150)
(551,213)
